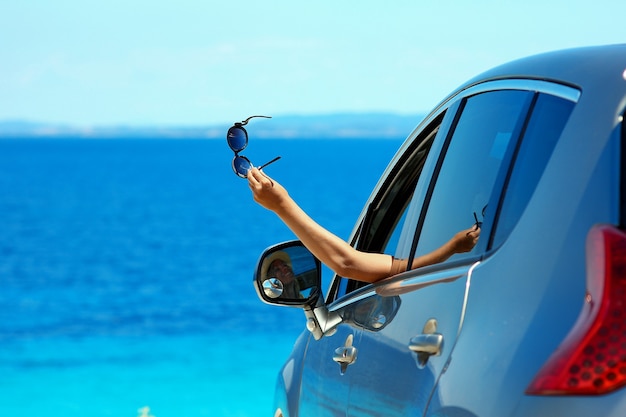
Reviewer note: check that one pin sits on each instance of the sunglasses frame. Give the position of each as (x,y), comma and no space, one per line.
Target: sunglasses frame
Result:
(240,126)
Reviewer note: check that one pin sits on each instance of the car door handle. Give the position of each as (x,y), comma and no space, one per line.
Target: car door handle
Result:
(430,344)
(426,345)
(345,355)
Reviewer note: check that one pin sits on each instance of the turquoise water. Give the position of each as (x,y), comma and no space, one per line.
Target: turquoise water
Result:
(211,375)
(126,266)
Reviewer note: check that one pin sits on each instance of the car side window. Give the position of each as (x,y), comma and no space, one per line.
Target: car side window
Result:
(478,154)
(549,115)
(384,223)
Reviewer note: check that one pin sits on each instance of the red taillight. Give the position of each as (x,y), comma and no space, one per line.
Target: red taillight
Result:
(592,358)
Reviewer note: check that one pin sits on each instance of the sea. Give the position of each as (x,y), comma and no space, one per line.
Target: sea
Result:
(126,270)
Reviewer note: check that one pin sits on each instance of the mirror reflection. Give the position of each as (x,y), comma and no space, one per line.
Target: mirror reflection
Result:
(273,287)
(288,273)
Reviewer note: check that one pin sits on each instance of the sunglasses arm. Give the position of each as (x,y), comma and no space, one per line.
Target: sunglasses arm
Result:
(245,122)
(270,162)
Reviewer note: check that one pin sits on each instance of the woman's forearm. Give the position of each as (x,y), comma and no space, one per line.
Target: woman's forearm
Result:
(331,250)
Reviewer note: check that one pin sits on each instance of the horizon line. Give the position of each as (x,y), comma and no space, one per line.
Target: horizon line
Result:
(24,121)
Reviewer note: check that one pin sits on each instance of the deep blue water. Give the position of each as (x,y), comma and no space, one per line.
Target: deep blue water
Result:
(126,269)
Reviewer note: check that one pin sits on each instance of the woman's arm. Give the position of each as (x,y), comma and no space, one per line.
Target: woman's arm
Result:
(333,251)
(463,241)
(336,253)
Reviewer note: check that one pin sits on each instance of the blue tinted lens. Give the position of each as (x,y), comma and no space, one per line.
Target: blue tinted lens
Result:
(241,166)
(237,138)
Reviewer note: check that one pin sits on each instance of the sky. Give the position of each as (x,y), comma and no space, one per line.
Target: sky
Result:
(204,62)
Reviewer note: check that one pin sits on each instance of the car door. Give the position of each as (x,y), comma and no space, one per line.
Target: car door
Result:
(400,363)
(326,385)
(498,301)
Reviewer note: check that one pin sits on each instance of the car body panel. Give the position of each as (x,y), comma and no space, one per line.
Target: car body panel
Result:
(325,391)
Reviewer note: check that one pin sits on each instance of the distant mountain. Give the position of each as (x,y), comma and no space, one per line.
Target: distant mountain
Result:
(340,125)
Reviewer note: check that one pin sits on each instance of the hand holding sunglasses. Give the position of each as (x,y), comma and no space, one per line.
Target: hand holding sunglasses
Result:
(237,138)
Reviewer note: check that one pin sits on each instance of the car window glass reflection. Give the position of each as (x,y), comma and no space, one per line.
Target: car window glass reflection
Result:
(488,125)
(544,129)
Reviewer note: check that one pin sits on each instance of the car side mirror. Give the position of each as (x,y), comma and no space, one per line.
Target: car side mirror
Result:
(288,274)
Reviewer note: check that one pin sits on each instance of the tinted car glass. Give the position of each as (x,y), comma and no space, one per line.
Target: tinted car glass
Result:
(548,118)
(477,154)
(384,222)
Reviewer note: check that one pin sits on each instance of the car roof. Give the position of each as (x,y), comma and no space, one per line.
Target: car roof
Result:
(583,67)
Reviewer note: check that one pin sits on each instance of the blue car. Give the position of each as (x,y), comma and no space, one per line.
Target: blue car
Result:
(532,320)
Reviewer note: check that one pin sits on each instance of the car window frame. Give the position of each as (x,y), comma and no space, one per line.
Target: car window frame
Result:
(449,111)
(436,123)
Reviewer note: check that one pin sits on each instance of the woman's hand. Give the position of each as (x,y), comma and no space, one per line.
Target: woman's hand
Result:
(465,240)
(266,191)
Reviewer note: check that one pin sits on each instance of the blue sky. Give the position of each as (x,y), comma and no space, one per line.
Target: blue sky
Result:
(198,62)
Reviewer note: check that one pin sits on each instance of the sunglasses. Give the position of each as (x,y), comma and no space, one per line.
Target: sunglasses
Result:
(237,138)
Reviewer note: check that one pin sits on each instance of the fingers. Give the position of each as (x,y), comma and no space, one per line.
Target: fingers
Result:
(472,236)
(262,187)
(265,191)
(252,175)
(256,175)
(256,178)
(472,232)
